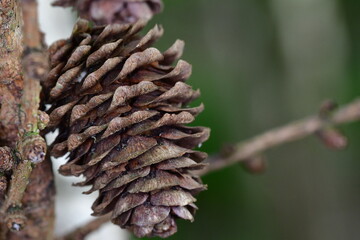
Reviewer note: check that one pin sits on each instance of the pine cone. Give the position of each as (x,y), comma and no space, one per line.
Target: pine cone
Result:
(114,11)
(119,105)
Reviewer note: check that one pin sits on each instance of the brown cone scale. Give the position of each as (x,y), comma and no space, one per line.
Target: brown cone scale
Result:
(121,107)
(114,11)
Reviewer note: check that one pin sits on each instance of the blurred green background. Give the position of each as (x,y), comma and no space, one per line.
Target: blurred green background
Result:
(260,64)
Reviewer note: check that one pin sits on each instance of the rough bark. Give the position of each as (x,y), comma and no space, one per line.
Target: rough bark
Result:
(11,83)
(29,205)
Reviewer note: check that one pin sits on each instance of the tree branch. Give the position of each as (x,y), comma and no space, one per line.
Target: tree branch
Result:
(30,198)
(30,145)
(11,82)
(11,86)
(81,232)
(248,149)
(38,199)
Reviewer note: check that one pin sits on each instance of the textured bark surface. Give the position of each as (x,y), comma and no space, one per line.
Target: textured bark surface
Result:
(38,205)
(11,86)
(38,200)
(28,209)
(11,83)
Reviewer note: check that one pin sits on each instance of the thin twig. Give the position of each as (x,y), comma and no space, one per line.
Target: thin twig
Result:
(38,200)
(35,68)
(294,131)
(81,232)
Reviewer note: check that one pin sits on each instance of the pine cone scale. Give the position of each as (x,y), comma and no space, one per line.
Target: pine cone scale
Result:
(129,202)
(172,198)
(77,56)
(183,212)
(93,78)
(103,53)
(136,146)
(158,154)
(129,177)
(147,215)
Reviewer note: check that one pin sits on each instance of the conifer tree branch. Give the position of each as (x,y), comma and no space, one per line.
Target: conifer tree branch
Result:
(11,86)
(245,150)
(11,81)
(29,199)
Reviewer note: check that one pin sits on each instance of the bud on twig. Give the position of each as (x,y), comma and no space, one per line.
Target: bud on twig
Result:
(255,165)
(15,221)
(43,120)
(6,159)
(326,108)
(332,138)
(227,150)
(33,148)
